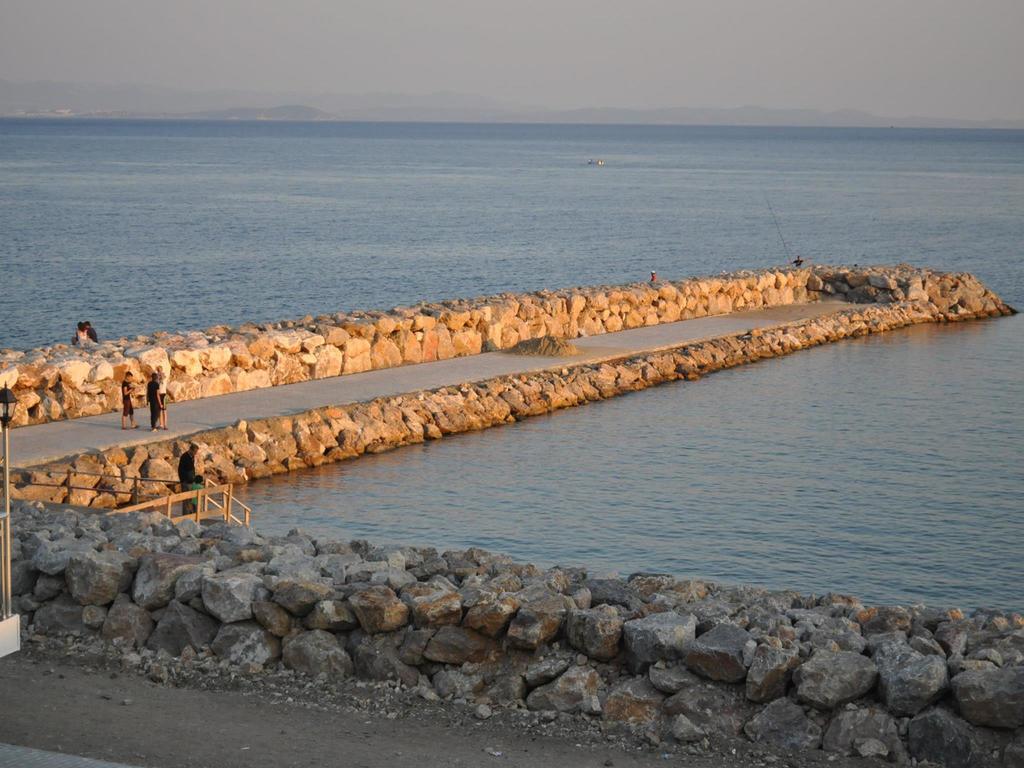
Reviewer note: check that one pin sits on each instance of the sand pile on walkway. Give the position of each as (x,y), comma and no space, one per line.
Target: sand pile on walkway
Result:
(546,346)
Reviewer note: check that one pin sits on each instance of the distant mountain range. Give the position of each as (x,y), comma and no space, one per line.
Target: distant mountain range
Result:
(46,98)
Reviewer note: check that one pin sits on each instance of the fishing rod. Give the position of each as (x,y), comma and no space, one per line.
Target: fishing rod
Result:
(777,227)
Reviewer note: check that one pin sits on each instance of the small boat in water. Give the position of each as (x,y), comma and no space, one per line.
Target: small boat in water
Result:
(595,162)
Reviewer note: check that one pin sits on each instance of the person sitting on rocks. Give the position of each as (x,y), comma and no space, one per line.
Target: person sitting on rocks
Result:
(81,337)
(91,332)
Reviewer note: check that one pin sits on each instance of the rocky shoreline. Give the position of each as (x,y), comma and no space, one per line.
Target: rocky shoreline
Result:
(66,382)
(677,663)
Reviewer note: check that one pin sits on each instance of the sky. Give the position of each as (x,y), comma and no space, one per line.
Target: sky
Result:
(937,58)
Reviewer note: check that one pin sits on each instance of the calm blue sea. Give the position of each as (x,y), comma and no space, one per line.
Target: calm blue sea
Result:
(147,225)
(888,467)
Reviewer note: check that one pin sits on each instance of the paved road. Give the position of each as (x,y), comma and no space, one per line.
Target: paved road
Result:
(48,442)
(23,757)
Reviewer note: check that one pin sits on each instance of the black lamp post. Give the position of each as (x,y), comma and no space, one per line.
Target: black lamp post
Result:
(8,402)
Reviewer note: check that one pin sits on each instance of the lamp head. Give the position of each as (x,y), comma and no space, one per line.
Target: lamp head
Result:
(8,402)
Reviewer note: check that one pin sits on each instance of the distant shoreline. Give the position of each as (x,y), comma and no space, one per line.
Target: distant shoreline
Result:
(98,118)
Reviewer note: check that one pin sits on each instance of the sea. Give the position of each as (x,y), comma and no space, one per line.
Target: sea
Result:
(888,467)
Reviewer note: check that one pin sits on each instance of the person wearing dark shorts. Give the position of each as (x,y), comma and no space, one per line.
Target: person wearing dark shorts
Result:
(154,400)
(127,411)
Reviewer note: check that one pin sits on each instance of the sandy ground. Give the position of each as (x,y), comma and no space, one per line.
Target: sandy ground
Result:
(81,704)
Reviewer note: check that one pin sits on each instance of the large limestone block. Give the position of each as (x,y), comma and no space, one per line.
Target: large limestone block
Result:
(357,356)
(181,626)
(993,697)
(246,642)
(660,636)
(273,618)
(784,725)
(596,632)
(188,361)
(151,359)
(829,679)
(329,362)
(213,386)
(96,578)
(379,609)
(229,596)
(215,357)
(385,354)
(73,373)
(576,690)
(719,653)
(317,653)
(156,577)
(467,343)
(432,605)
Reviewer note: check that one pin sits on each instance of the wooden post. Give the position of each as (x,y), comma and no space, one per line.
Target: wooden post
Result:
(168,506)
(135,490)
(227,505)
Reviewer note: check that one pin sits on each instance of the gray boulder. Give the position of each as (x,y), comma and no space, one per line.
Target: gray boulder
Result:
(909,681)
(156,577)
(246,642)
(672,679)
(52,556)
(547,668)
(298,596)
(457,645)
(719,654)
(96,578)
(783,724)
(453,683)
(992,697)
(127,622)
(853,725)
(634,701)
(576,690)
(829,679)
(770,672)
(538,621)
(62,616)
(940,737)
(684,730)
(317,653)
(714,709)
(272,617)
(595,632)
(332,616)
(179,626)
(229,596)
(376,658)
(660,636)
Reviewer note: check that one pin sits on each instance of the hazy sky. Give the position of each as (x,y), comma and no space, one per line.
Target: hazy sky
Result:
(943,58)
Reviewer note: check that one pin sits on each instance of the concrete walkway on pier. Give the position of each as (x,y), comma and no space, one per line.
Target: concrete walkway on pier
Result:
(43,443)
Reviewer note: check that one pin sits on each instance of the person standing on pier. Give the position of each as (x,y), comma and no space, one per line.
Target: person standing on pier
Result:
(127,410)
(154,400)
(187,474)
(163,398)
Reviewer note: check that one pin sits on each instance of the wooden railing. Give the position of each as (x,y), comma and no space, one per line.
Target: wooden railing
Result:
(213,500)
(200,504)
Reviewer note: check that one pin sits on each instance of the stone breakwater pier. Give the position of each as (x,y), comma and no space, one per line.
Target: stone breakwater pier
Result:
(682,664)
(320,419)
